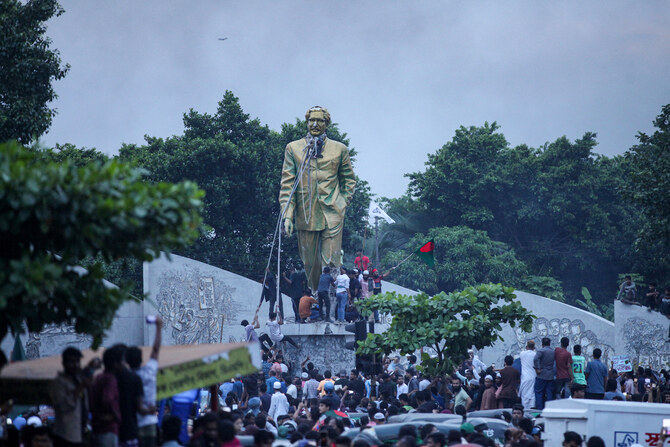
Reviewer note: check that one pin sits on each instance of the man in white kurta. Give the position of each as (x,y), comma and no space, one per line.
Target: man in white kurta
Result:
(527,386)
(278,404)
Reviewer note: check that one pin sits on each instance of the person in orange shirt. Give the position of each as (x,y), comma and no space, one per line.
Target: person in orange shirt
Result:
(305,306)
(327,376)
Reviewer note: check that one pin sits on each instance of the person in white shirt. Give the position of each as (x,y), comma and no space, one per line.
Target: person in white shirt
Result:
(477,365)
(528,375)
(402,387)
(343,294)
(292,389)
(275,331)
(279,404)
(147,422)
(396,366)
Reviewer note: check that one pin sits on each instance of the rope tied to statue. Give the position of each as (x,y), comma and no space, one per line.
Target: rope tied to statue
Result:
(310,152)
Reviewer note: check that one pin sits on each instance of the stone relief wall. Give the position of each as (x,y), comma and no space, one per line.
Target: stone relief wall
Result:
(643,335)
(557,328)
(53,339)
(194,307)
(200,303)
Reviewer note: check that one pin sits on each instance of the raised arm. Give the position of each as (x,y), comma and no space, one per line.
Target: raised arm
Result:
(155,350)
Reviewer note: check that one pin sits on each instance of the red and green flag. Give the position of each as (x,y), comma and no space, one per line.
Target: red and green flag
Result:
(425,253)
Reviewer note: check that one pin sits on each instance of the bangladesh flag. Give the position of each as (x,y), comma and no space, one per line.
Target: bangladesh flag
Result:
(425,253)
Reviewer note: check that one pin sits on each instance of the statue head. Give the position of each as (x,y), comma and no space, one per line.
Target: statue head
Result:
(318,120)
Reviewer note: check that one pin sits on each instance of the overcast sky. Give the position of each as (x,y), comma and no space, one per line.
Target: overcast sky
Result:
(398,77)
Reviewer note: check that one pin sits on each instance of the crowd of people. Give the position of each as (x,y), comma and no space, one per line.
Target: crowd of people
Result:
(301,404)
(359,282)
(653,299)
(117,407)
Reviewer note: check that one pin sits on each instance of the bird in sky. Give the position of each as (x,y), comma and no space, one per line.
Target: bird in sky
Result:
(223,38)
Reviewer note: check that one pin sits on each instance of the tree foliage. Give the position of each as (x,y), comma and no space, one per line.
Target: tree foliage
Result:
(463,257)
(557,206)
(545,286)
(28,66)
(54,215)
(78,156)
(235,161)
(649,188)
(605,311)
(447,323)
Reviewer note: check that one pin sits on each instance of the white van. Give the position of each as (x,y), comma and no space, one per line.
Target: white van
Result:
(619,424)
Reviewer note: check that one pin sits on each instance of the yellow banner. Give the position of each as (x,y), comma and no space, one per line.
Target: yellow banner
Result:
(201,373)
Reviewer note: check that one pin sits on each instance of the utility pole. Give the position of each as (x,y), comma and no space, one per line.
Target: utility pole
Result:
(377,265)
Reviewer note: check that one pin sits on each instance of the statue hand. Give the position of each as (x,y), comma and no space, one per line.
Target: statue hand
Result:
(288,227)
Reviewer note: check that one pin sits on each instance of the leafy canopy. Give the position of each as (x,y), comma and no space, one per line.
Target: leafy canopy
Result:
(54,215)
(649,188)
(463,257)
(446,324)
(27,69)
(557,206)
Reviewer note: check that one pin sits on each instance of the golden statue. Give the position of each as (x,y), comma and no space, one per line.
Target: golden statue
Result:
(318,183)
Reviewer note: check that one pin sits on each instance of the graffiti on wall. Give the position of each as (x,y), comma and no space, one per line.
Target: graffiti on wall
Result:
(555,329)
(195,308)
(647,343)
(53,339)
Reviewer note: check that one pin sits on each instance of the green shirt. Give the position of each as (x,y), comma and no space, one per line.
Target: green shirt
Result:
(461,398)
(578,367)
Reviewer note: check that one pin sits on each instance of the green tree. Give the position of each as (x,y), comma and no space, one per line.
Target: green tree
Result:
(648,190)
(545,286)
(462,183)
(78,156)
(605,310)
(446,324)
(28,67)
(409,219)
(237,162)
(463,257)
(123,271)
(557,205)
(54,215)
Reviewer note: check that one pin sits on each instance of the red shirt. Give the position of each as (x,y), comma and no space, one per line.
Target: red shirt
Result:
(362,265)
(563,363)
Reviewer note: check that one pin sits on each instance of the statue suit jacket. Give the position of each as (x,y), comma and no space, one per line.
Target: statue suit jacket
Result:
(332,183)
